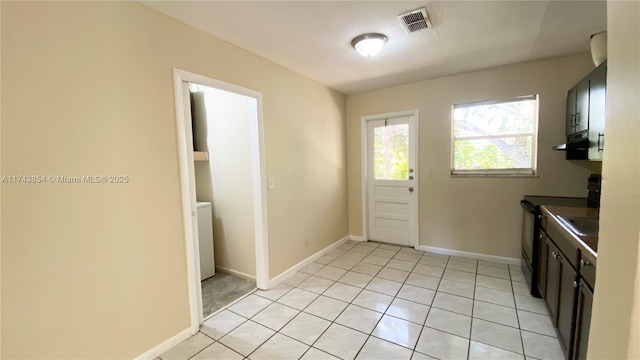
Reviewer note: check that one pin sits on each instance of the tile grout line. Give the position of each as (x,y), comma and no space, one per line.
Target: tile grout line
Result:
(364,288)
(330,322)
(275,331)
(302,310)
(517,315)
(430,307)
(473,306)
(333,322)
(287,323)
(387,309)
(351,302)
(474,299)
(515,309)
(249,319)
(393,298)
(214,342)
(396,297)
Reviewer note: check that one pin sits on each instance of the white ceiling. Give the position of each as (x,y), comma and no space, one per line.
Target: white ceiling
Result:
(313,38)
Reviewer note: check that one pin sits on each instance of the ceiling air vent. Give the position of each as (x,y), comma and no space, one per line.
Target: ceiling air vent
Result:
(415,20)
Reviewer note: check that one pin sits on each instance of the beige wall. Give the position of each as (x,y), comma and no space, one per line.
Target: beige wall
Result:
(226,180)
(480,215)
(616,308)
(99,270)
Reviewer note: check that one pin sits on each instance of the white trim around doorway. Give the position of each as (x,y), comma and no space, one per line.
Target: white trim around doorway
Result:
(363,151)
(188,188)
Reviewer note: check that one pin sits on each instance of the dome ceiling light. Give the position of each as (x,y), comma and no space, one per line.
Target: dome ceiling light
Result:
(369,44)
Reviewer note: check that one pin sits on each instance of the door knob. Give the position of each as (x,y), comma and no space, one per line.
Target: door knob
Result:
(410,188)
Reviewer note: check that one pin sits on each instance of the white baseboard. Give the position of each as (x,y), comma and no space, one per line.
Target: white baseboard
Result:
(500,259)
(166,345)
(236,273)
(356,238)
(295,268)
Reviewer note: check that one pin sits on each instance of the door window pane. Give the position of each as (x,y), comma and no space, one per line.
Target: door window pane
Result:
(391,152)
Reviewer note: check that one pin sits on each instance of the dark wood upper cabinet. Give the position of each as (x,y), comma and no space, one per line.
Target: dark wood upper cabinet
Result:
(597,112)
(581,121)
(585,120)
(578,112)
(572,100)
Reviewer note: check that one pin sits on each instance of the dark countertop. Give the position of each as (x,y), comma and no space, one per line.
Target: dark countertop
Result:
(588,245)
(537,200)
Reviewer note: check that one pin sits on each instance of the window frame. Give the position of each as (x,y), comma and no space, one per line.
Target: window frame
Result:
(512,172)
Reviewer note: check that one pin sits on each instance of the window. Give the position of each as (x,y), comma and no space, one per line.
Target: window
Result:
(391,152)
(495,137)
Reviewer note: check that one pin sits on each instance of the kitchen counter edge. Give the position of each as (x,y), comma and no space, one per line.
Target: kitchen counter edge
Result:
(588,245)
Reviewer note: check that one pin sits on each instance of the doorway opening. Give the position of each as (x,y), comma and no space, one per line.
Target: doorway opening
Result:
(221,156)
(390,177)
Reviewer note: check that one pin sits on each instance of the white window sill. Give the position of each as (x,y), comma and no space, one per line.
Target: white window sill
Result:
(486,175)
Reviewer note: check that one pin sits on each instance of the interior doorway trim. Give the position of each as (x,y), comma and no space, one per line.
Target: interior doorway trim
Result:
(188,187)
(365,177)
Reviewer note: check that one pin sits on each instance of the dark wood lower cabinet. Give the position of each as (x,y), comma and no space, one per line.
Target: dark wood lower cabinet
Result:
(566,302)
(552,288)
(560,294)
(583,322)
(543,257)
(566,281)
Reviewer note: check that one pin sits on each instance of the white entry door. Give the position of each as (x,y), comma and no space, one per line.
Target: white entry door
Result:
(392,193)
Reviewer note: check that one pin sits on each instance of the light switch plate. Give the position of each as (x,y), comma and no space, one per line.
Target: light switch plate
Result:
(271,183)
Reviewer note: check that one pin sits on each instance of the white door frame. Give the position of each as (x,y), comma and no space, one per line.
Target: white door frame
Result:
(188,188)
(413,143)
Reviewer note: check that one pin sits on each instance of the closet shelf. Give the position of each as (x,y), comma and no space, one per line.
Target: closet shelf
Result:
(200,156)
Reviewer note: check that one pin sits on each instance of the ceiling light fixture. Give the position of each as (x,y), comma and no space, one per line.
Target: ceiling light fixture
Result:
(368,44)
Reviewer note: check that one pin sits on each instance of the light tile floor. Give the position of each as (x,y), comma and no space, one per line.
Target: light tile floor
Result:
(378,301)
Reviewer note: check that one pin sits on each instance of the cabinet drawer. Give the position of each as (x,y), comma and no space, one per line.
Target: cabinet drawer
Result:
(568,248)
(588,272)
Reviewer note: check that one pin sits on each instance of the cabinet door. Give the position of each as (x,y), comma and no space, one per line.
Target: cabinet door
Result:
(571,111)
(583,322)
(597,111)
(566,302)
(542,264)
(553,284)
(582,106)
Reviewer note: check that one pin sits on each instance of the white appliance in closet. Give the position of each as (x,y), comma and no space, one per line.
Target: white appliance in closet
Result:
(205,235)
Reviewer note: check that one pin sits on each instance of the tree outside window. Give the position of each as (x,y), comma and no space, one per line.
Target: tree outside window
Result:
(495,137)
